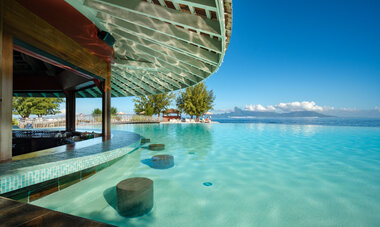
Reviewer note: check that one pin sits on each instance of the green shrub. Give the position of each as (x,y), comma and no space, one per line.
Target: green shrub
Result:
(14,121)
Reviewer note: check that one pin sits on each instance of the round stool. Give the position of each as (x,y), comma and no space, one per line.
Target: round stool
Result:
(162,161)
(156,147)
(145,140)
(134,196)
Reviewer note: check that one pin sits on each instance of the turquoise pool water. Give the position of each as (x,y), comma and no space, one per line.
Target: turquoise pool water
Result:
(260,175)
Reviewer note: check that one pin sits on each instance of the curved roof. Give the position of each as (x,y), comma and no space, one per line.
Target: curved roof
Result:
(161,45)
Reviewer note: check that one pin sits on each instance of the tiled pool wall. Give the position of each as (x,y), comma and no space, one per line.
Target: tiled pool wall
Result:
(36,191)
(31,184)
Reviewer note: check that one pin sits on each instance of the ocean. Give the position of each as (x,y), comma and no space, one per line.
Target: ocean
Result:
(329,121)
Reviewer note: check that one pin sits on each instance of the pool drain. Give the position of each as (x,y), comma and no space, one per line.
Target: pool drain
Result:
(207,184)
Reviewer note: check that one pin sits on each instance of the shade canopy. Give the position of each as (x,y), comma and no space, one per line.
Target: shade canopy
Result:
(160,46)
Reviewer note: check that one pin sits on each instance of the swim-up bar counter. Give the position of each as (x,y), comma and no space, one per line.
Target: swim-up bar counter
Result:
(60,167)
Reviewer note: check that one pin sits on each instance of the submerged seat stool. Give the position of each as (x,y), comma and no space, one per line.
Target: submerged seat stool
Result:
(162,161)
(145,140)
(134,196)
(156,147)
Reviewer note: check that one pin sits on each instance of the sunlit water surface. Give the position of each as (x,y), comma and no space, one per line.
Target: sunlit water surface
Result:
(261,175)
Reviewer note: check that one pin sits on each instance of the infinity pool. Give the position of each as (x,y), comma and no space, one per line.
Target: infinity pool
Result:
(243,175)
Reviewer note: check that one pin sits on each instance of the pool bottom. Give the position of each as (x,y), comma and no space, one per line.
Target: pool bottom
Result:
(261,175)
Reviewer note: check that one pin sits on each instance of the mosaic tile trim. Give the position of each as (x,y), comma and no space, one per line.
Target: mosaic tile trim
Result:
(45,172)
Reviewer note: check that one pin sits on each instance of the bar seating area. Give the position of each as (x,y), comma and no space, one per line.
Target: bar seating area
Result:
(93,49)
(104,48)
(27,141)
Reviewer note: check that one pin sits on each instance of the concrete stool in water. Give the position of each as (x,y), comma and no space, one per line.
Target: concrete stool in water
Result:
(156,147)
(162,161)
(145,140)
(134,196)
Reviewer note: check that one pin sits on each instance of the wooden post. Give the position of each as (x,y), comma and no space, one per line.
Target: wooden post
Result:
(70,111)
(6,90)
(106,106)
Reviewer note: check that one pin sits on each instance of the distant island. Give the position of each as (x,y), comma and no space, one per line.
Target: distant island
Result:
(239,113)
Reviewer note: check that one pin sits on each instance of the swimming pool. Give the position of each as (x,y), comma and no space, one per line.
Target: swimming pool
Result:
(243,175)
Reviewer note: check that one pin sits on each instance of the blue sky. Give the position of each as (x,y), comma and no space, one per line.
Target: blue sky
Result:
(326,51)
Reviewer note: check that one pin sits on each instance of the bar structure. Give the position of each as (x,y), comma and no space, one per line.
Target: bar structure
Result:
(6,81)
(105,48)
(70,111)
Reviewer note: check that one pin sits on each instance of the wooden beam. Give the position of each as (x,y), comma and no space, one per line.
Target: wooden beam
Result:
(203,4)
(70,111)
(146,84)
(194,74)
(108,15)
(6,77)
(162,79)
(158,77)
(143,76)
(106,106)
(187,53)
(140,83)
(97,91)
(31,29)
(171,16)
(91,92)
(168,63)
(123,88)
(128,83)
(164,69)
(131,64)
(115,87)
(194,50)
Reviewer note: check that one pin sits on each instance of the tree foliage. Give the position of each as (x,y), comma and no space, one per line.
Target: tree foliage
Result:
(161,102)
(143,106)
(96,111)
(38,106)
(153,104)
(113,111)
(196,100)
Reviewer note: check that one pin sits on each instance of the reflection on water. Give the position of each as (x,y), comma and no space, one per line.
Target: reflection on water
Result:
(300,130)
(186,137)
(195,140)
(243,175)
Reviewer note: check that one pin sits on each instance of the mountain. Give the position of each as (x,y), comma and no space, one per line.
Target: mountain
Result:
(239,113)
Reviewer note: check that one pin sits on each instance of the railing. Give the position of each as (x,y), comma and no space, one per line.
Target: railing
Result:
(59,121)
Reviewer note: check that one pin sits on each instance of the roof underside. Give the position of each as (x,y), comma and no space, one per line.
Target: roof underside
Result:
(161,45)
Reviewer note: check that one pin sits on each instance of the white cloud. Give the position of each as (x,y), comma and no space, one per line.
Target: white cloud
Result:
(312,106)
(299,106)
(259,107)
(289,107)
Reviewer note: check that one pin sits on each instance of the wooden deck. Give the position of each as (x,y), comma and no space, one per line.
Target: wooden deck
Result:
(13,213)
